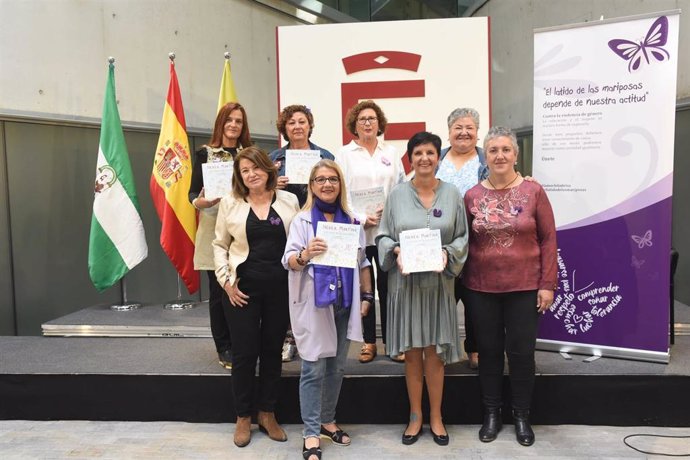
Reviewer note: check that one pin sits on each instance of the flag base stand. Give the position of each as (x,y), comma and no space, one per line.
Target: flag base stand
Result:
(126,306)
(179,304)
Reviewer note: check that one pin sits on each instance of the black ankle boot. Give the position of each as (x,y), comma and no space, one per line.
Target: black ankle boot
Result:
(523,430)
(492,424)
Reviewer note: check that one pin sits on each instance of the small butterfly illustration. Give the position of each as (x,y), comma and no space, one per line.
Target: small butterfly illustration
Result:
(275,220)
(643,241)
(385,161)
(652,46)
(637,263)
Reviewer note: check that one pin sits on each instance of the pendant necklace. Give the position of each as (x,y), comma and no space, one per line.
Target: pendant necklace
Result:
(505,186)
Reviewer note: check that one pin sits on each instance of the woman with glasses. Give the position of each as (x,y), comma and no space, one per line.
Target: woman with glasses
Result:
(326,306)
(368,162)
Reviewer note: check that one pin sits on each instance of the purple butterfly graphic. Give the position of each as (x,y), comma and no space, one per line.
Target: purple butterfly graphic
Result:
(437,212)
(642,241)
(275,220)
(650,47)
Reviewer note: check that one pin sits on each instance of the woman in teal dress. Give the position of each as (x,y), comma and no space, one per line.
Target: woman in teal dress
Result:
(422,316)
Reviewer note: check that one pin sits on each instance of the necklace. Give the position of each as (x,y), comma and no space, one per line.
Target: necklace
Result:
(505,186)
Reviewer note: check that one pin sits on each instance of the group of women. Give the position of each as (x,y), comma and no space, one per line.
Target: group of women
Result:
(498,252)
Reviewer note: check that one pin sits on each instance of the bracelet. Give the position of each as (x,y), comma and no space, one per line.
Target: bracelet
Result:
(368,296)
(299,259)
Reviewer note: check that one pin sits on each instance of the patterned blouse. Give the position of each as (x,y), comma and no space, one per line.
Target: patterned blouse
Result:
(512,239)
(464,179)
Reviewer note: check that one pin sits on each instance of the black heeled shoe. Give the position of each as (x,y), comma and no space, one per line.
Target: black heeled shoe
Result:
(306,453)
(523,430)
(440,439)
(409,439)
(492,424)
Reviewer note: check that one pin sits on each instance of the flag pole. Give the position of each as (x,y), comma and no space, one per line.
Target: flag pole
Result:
(124,305)
(179,303)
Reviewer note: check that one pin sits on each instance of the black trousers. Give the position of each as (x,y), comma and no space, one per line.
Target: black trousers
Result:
(220,319)
(258,330)
(505,323)
(369,321)
(461,294)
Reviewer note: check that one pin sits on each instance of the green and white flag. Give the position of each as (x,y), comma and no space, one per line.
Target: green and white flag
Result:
(117,242)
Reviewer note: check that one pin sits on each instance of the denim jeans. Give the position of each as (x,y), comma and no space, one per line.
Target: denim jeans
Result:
(320,381)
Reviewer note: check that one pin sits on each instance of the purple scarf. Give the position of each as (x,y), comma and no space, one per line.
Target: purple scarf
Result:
(325,276)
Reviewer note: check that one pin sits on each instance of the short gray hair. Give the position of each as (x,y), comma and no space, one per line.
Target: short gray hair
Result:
(501,131)
(462,113)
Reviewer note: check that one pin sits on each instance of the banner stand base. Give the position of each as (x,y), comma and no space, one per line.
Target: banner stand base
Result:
(601,351)
(179,304)
(126,306)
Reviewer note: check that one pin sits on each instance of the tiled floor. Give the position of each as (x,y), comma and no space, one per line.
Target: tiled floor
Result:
(171,440)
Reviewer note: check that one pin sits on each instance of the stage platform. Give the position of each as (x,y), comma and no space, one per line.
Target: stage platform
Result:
(179,379)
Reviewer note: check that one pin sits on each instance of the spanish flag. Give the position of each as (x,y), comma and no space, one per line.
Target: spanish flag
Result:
(170,179)
(227,86)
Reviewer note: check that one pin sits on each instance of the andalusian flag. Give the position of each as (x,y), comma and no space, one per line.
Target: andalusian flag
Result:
(170,179)
(117,243)
(227,87)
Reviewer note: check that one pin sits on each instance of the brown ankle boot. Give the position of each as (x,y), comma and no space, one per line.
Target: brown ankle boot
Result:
(268,424)
(243,433)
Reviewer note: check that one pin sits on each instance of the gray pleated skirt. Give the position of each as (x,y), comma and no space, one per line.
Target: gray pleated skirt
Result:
(422,312)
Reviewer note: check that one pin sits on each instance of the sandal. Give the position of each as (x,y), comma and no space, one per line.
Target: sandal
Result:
(336,436)
(306,453)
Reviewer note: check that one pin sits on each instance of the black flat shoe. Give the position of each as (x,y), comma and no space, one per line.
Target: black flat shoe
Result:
(440,439)
(492,424)
(306,453)
(336,436)
(409,439)
(523,430)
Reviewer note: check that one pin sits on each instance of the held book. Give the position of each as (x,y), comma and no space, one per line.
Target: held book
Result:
(343,244)
(420,250)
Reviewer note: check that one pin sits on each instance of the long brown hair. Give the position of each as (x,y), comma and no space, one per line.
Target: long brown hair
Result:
(261,160)
(245,139)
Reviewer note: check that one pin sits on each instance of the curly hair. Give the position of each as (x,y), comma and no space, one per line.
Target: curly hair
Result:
(287,113)
(353,113)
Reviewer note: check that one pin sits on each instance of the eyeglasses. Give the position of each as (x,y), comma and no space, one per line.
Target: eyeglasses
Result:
(333,180)
(370,120)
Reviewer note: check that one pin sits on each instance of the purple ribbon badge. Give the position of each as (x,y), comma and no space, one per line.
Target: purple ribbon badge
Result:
(437,212)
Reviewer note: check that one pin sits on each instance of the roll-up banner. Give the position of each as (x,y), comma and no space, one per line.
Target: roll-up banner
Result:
(604,119)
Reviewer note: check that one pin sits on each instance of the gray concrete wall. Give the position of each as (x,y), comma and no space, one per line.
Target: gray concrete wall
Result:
(54,56)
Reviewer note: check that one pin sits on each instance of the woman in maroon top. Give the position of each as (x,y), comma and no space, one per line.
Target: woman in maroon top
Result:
(510,275)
